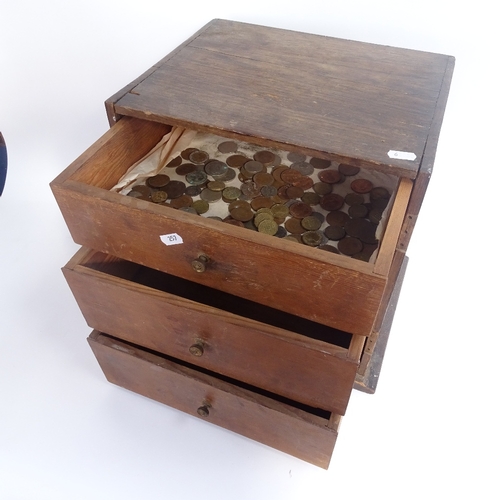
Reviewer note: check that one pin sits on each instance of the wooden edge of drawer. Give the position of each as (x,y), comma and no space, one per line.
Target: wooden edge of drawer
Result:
(271,422)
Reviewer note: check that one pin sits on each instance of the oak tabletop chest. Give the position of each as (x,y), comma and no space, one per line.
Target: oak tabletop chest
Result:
(244,224)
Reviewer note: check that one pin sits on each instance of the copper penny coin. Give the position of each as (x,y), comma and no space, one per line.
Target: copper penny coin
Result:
(320,163)
(210,196)
(350,246)
(300,210)
(354,199)
(334,233)
(158,181)
(227,147)
(289,176)
(348,169)
(362,229)
(361,186)
(378,193)
(175,162)
(276,172)
(182,202)
(311,198)
(293,226)
(328,248)
(261,202)
(293,192)
(236,161)
(185,168)
(174,189)
(337,218)
(331,202)
(141,188)
(242,214)
(358,211)
(263,179)
(265,157)
(330,176)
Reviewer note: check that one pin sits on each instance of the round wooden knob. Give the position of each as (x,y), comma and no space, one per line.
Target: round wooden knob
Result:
(196,349)
(203,411)
(200,264)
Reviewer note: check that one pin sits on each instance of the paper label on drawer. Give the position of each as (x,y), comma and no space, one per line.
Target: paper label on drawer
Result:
(171,239)
(401,155)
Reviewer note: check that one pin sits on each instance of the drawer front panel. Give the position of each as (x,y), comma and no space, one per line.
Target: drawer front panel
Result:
(317,373)
(257,417)
(281,274)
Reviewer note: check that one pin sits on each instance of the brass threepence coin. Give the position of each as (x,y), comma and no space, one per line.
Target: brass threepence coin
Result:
(280,211)
(312,238)
(311,198)
(158,196)
(320,163)
(196,178)
(348,169)
(330,176)
(311,223)
(158,181)
(259,217)
(361,186)
(268,227)
(350,246)
(199,157)
(331,202)
(216,185)
(210,196)
(201,206)
(231,193)
(227,147)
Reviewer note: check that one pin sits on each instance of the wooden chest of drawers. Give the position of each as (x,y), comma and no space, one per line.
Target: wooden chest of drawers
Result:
(259,334)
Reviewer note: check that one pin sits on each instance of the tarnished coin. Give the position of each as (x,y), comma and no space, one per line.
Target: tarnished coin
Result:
(228,176)
(328,248)
(348,169)
(193,190)
(331,202)
(280,211)
(216,169)
(250,189)
(242,214)
(329,176)
(185,168)
(276,172)
(304,167)
(137,194)
(210,196)
(263,179)
(254,166)
(358,211)
(174,189)
(258,218)
(311,223)
(337,218)
(265,157)
(311,198)
(261,202)
(175,162)
(196,178)
(378,193)
(158,181)
(268,191)
(182,201)
(201,206)
(141,188)
(361,186)
(293,192)
(236,161)
(185,154)
(319,216)
(362,229)
(350,246)
(289,176)
(199,157)
(234,222)
(312,238)
(158,196)
(295,157)
(227,147)
(281,232)
(334,233)
(189,210)
(375,215)
(354,199)
(299,210)
(322,188)
(320,163)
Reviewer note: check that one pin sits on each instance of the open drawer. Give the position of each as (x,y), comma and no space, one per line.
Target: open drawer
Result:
(306,433)
(261,346)
(335,290)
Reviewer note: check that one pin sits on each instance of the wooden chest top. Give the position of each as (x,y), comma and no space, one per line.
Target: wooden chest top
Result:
(345,100)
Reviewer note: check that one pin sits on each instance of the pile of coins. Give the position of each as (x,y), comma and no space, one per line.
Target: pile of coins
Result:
(300,202)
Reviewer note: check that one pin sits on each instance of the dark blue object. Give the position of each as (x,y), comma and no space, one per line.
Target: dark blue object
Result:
(3,163)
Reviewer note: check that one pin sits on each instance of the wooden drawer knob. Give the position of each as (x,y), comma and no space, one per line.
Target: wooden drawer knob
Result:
(200,264)
(203,411)
(197,349)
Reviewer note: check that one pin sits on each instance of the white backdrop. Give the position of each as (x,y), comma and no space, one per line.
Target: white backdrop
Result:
(430,431)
